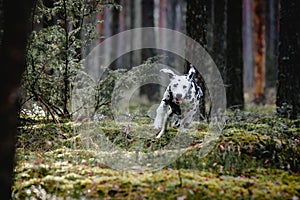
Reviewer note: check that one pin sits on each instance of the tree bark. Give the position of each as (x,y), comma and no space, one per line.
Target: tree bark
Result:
(220,36)
(196,28)
(115,23)
(162,14)
(15,28)
(248,54)
(151,91)
(122,61)
(66,72)
(259,51)
(148,21)
(196,21)
(132,21)
(288,85)
(272,34)
(234,67)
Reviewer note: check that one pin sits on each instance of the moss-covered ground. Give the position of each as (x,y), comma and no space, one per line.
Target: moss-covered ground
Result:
(256,157)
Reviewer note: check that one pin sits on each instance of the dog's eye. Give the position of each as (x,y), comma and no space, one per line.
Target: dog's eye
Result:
(184,86)
(175,85)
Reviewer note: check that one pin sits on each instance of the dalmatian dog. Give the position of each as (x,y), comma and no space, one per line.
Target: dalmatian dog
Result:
(180,98)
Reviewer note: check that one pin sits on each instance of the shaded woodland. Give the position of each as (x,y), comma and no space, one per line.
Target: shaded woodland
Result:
(43,155)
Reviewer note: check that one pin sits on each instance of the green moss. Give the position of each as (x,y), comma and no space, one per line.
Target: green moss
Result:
(256,156)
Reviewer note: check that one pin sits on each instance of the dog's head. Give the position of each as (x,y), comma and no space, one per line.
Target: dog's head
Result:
(179,86)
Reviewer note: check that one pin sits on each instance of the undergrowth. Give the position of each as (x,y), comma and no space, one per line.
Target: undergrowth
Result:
(255,157)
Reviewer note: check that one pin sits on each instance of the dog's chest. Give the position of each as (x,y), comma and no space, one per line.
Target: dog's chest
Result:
(187,104)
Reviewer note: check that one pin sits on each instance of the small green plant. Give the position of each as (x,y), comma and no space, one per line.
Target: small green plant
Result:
(55,51)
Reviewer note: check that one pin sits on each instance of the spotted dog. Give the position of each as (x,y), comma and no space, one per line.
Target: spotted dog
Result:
(180,98)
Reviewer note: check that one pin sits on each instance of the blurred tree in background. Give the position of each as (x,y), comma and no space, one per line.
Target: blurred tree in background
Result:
(288,84)
(14,31)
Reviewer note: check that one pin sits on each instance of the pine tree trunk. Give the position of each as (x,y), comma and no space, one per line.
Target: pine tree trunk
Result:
(272,33)
(259,51)
(248,54)
(148,21)
(15,28)
(131,21)
(122,61)
(196,28)
(288,85)
(162,14)
(114,26)
(66,72)
(234,67)
(196,21)
(220,36)
(151,91)
(100,17)
(171,13)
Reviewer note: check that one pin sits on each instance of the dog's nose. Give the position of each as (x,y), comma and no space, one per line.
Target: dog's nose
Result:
(179,96)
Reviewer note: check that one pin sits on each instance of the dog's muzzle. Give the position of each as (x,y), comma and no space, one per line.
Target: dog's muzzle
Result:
(177,100)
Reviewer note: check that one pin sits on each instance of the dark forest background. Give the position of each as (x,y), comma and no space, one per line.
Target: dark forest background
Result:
(255,44)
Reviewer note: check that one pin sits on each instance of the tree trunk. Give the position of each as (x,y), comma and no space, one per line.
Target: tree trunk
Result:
(288,85)
(66,74)
(248,58)
(115,23)
(100,17)
(196,21)
(259,51)
(162,14)
(196,27)
(272,33)
(13,44)
(179,16)
(132,21)
(122,61)
(234,67)
(151,91)
(220,36)
(148,21)
(171,13)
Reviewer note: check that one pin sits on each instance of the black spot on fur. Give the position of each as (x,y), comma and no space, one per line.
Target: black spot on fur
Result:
(177,124)
(175,107)
(184,86)
(175,85)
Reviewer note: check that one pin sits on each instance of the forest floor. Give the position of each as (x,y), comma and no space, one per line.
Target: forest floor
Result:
(256,156)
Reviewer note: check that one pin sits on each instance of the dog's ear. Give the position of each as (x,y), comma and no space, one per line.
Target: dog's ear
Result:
(192,72)
(169,72)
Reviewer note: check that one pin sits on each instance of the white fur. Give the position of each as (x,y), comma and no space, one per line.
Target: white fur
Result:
(183,92)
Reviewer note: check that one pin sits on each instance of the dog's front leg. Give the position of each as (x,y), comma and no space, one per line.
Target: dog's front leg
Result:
(164,123)
(160,112)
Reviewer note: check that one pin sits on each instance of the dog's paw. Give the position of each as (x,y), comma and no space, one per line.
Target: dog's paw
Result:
(158,136)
